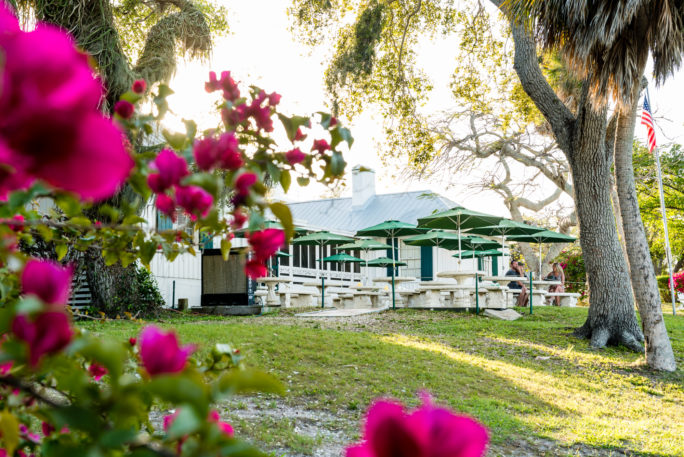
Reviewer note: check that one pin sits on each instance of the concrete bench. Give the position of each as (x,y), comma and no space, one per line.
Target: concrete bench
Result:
(568,299)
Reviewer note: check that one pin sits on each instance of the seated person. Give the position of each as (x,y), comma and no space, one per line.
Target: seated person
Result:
(556,274)
(517,286)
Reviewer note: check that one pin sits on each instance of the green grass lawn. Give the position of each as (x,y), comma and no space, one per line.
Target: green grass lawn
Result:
(526,378)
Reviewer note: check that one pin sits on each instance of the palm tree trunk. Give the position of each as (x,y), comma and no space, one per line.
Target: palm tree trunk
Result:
(659,353)
(611,318)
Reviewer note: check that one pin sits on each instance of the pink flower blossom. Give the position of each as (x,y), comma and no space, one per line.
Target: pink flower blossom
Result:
(124,109)
(166,205)
(262,117)
(28,435)
(265,243)
(321,146)
(48,333)
(429,431)
(194,200)
(97,371)
(171,169)
(239,220)
(160,353)
(139,86)
(229,152)
(295,156)
(299,136)
(227,83)
(244,183)
(47,280)
(206,153)
(333,121)
(47,428)
(225,427)
(273,98)
(255,268)
(6,367)
(132,340)
(49,115)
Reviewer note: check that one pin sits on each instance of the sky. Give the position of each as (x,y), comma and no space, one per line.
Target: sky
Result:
(261,50)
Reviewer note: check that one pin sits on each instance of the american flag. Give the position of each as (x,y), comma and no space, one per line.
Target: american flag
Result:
(647,120)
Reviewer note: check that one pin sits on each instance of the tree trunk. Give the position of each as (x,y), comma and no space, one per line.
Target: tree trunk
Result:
(107,282)
(611,318)
(659,353)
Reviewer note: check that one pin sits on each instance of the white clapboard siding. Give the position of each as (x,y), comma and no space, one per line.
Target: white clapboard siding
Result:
(80,291)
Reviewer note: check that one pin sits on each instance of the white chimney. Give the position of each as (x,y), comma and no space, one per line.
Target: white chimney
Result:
(363,185)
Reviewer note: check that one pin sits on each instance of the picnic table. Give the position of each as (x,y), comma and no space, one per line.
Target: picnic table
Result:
(397,280)
(538,294)
(463,278)
(272,300)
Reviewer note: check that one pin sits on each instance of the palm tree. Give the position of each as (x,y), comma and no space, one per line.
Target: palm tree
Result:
(607,43)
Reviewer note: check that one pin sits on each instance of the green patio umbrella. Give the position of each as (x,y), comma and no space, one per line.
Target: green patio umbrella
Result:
(277,256)
(458,219)
(365,244)
(436,238)
(391,229)
(266,225)
(479,244)
(343,257)
(387,262)
(504,229)
(546,236)
(485,253)
(322,238)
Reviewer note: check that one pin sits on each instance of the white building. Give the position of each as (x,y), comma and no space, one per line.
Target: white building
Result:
(345,216)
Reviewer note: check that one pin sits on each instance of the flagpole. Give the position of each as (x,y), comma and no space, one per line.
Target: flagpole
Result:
(668,252)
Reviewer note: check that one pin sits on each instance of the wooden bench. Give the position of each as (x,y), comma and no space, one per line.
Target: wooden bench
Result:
(568,299)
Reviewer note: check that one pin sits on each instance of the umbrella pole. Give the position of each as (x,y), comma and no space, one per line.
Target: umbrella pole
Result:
(459,247)
(540,262)
(394,305)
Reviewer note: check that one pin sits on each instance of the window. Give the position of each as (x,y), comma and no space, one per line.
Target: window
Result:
(285,261)
(183,222)
(411,256)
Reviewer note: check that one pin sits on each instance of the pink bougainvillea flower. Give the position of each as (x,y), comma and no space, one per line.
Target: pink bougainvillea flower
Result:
(6,367)
(299,136)
(229,152)
(225,427)
(47,428)
(49,116)
(160,353)
(266,242)
(47,280)
(262,117)
(255,268)
(295,156)
(48,333)
(139,86)
(321,146)
(124,109)
(194,200)
(333,121)
(166,205)
(274,98)
(213,84)
(227,83)
(132,340)
(168,420)
(244,183)
(239,220)
(206,153)
(28,435)
(97,371)
(171,169)
(429,431)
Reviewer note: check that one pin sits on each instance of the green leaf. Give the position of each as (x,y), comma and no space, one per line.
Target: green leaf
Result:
(9,429)
(185,423)
(147,251)
(176,140)
(190,128)
(285,180)
(77,418)
(206,181)
(242,380)
(139,183)
(108,353)
(61,249)
(337,164)
(131,97)
(29,304)
(116,438)
(225,248)
(325,119)
(282,212)
(80,220)
(134,219)
(179,389)
(346,135)
(164,91)
(303,181)
(291,124)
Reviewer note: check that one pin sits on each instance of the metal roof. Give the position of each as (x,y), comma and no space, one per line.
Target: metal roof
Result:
(338,215)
